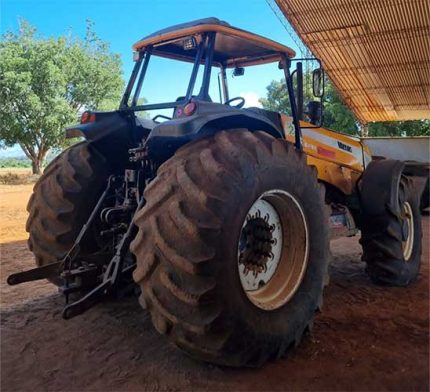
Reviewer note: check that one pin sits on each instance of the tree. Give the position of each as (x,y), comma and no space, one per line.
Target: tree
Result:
(400,128)
(46,82)
(277,97)
(336,114)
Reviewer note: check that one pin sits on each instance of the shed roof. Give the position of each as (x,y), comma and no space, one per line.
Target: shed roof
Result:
(377,53)
(233,46)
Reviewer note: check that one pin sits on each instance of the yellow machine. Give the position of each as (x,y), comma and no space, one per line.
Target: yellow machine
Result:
(219,213)
(340,159)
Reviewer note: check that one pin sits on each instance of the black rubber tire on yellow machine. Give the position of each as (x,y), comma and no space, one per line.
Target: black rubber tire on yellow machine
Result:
(383,240)
(62,201)
(187,247)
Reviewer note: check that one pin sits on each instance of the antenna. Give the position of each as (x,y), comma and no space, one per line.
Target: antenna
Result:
(304,51)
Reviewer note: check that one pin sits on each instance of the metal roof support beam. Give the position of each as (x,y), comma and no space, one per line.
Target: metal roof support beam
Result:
(364,130)
(376,53)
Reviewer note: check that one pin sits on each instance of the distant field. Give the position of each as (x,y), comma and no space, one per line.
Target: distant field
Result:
(16,176)
(13,214)
(15,170)
(14,163)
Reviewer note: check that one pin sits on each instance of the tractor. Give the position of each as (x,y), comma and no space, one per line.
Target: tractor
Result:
(218,216)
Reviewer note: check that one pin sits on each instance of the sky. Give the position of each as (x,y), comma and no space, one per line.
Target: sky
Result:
(122,23)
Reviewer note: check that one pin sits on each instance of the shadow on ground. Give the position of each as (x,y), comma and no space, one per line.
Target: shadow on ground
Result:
(367,338)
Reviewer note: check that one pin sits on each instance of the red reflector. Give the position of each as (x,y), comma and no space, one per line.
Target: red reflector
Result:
(88,117)
(325,152)
(190,108)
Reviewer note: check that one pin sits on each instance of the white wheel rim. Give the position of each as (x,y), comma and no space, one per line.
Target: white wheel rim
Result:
(263,209)
(408,231)
(273,249)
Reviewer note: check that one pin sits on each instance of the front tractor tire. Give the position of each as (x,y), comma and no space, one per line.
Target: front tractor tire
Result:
(232,248)
(391,241)
(62,201)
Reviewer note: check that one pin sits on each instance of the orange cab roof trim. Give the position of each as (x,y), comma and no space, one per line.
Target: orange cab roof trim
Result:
(224,28)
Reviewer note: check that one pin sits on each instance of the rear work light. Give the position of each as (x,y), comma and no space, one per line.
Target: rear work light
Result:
(189,43)
(136,56)
(88,117)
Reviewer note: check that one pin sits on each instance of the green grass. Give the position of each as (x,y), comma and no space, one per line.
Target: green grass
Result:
(14,163)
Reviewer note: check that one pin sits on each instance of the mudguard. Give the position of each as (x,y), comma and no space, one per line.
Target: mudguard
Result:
(208,119)
(379,186)
(112,133)
(107,125)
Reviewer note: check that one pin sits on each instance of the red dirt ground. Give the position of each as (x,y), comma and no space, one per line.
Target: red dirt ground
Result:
(368,338)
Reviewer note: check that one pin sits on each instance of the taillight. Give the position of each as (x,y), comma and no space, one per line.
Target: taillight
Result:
(88,117)
(190,108)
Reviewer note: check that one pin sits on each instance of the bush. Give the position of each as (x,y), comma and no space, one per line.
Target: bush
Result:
(10,178)
(15,163)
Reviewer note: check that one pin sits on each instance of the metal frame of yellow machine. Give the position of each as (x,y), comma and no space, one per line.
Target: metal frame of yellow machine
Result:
(340,159)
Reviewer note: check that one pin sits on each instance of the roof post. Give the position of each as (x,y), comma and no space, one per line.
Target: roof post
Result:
(364,129)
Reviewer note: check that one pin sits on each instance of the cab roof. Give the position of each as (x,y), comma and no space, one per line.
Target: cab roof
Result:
(233,47)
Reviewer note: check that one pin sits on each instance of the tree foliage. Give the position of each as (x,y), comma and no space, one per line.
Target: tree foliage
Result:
(277,98)
(12,163)
(400,128)
(46,82)
(337,115)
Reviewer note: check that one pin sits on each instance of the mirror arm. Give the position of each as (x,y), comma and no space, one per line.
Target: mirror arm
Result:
(299,71)
(224,84)
(323,83)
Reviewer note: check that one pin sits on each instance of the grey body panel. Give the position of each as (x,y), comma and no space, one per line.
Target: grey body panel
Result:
(209,118)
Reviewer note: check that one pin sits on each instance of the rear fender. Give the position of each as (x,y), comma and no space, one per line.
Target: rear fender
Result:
(112,133)
(106,125)
(209,118)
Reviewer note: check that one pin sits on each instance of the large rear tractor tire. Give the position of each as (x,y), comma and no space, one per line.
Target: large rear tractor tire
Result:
(62,201)
(232,248)
(392,242)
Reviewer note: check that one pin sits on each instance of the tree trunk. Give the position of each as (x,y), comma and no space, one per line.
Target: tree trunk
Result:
(36,154)
(36,166)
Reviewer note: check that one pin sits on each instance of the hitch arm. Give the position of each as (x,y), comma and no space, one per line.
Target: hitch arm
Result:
(111,275)
(51,270)
(74,251)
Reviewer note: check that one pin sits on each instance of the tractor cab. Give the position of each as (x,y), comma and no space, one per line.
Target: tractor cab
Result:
(210,47)
(208,44)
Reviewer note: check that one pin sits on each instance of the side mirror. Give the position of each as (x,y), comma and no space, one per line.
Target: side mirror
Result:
(318,82)
(238,71)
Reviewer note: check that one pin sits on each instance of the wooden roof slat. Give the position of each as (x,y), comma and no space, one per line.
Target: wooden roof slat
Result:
(377,53)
